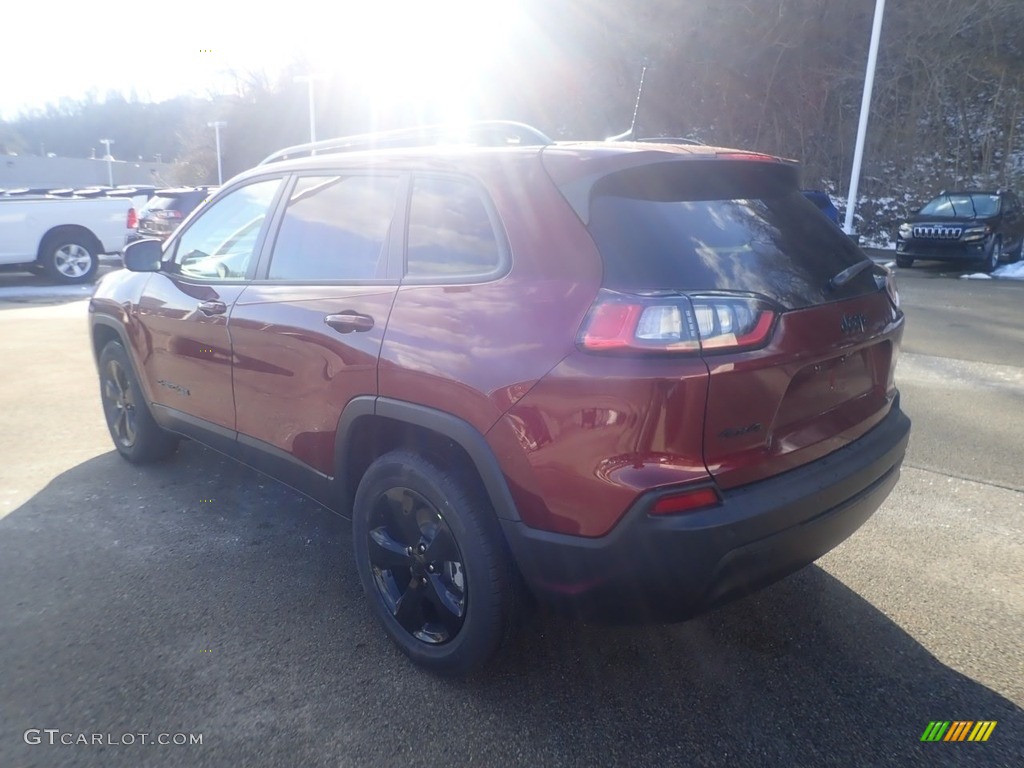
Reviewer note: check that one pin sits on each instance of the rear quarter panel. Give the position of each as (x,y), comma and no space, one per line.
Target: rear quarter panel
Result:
(473,350)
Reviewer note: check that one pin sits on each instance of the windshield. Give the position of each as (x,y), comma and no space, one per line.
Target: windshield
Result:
(974,204)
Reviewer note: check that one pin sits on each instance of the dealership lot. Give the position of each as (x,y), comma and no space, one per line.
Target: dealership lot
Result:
(200,598)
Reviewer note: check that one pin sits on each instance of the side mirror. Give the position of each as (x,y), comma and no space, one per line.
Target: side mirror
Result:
(143,256)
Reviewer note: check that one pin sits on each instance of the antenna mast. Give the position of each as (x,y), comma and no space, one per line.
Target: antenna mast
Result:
(630,135)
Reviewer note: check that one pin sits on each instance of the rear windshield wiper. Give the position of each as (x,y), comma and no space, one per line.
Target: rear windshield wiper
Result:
(841,279)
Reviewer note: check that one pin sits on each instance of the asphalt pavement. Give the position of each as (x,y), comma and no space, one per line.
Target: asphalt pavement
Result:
(198,598)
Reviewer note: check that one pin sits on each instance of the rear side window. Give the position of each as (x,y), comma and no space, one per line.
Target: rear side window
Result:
(450,232)
(720,225)
(335,228)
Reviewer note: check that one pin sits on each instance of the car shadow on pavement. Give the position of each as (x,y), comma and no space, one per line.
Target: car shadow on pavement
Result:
(197,596)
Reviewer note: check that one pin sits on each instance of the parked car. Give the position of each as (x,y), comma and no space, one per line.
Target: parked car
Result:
(166,209)
(95,191)
(983,227)
(62,237)
(27,192)
(636,381)
(824,204)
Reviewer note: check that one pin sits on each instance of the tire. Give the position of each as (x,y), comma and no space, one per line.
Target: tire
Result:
(994,255)
(70,258)
(136,435)
(1018,252)
(904,261)
(433,563)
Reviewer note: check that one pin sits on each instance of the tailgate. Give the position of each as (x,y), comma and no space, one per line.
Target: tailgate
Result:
(825,380)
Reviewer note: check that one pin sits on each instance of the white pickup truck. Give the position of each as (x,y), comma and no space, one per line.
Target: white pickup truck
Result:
(63,237)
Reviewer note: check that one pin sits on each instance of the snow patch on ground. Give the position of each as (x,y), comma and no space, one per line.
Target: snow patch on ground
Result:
(1011,271)
(1005,272)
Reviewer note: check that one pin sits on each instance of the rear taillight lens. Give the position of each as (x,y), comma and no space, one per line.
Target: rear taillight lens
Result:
(888,280)
(686,501)
(133,219)
(679,323)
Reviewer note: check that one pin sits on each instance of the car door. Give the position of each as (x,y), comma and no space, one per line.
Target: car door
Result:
(184,310)
(307,332)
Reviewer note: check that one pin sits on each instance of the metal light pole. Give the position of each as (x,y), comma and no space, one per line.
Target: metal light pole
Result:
(310,80)
(217,125)
(110,162)
(865,109)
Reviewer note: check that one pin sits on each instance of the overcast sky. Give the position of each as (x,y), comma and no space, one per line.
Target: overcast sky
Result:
(54,49)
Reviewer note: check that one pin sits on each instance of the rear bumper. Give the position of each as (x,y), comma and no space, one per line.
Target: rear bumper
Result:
(668,568)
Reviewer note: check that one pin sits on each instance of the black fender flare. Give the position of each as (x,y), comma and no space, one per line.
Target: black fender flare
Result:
(119,329)
(459,431)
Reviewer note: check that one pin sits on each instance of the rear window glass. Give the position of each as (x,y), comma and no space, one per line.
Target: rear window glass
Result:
(720,225)
(450,232)
(159,202)
(180,202)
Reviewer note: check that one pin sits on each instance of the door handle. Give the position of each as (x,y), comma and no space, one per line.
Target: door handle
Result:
(213,307)
(348,321)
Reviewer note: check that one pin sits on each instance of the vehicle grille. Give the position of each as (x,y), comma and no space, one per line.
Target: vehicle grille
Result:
(937,232)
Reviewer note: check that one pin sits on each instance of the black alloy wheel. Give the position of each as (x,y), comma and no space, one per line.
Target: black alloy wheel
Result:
(434,563)
(119,403)
(994,255)
(417,566)
(136,435)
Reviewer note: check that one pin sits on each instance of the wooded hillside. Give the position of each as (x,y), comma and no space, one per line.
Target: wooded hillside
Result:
(782,76)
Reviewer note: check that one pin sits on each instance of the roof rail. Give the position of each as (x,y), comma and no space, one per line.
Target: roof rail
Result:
(667,140)
(483,133)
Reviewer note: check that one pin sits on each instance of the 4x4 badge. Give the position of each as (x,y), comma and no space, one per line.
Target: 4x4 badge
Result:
(854,323)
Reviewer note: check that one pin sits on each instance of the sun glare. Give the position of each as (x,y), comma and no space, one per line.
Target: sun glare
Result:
(433,57)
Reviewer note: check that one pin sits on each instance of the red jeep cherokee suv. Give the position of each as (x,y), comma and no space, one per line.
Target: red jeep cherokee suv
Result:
(637,380)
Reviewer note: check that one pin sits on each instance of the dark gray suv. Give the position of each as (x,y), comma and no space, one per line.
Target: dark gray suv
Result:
(985,227)
(166,209)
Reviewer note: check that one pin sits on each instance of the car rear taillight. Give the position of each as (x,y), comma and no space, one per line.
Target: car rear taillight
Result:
(887,279)
(133,219)
(628,323)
